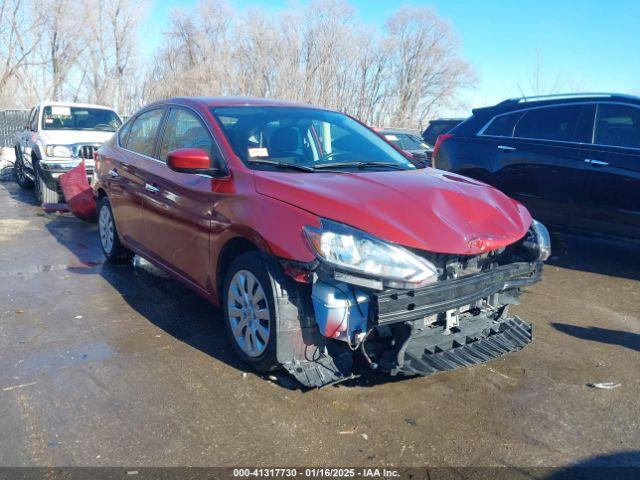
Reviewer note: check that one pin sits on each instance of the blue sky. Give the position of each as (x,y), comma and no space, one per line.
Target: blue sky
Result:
(585,45)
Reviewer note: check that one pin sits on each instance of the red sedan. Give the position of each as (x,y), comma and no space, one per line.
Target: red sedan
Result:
(318,238)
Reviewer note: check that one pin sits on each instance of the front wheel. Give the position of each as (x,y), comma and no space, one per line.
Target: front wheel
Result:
(20,172)
(111,247)
(249,312)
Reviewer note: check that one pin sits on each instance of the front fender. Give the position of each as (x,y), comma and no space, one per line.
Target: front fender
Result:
(274,227)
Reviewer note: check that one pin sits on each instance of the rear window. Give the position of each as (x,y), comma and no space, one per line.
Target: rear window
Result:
(503,125)
(562,123)
(618,125)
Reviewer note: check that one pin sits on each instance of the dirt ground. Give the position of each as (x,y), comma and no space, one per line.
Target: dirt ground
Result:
(122,366)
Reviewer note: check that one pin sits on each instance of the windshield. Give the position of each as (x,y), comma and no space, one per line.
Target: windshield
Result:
(305,137)
(406,141)
(58,117)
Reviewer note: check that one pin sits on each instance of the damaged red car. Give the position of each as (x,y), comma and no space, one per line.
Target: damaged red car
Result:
(319,240)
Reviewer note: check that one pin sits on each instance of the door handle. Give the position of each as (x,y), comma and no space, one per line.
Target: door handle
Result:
(599,163)
(113,173)
(151,188)
(505,148)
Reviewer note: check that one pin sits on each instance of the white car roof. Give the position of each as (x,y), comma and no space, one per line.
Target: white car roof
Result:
(72,104)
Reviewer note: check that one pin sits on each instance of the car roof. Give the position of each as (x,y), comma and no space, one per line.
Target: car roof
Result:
(74,104)
(562,98)
(235,102)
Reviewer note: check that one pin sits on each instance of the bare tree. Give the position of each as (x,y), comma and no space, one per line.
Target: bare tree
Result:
(426,69)
(317,53)
(62,40)
(107,70)
(20,35)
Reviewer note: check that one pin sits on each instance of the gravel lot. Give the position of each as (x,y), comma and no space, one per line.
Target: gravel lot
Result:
(123,366)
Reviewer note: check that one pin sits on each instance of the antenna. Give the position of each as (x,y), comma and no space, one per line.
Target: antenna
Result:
(521,92)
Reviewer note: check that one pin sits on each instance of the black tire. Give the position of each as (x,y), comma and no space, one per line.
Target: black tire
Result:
(19,172)
(113,250)
(254,263)
(44,194)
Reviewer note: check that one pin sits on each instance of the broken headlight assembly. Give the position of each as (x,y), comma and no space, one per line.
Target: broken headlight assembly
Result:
(538,241)
(365,260)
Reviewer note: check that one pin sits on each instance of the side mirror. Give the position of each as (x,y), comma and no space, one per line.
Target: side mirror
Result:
(193,160)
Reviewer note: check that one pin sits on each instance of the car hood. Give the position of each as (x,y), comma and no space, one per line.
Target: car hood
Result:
(70,137)
(427,209)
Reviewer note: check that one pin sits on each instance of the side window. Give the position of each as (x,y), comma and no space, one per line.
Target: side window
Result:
(123,133)
(143,131)
(618,125)
(553,123)
(33,125)
(503,125)
(185,130)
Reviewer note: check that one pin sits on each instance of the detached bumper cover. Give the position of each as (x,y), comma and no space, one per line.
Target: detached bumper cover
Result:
(393,306)
(78,193)
(468,347)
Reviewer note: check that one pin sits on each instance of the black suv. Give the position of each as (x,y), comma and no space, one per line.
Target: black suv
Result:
(438,127)
(572,160)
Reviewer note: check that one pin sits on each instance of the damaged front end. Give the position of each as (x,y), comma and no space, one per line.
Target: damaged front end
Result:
(441,312)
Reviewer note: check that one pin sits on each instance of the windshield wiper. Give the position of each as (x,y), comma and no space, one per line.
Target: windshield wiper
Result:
(360,165)
(275,163)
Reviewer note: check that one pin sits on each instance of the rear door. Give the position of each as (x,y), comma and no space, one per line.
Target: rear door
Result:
(178,206)
(125,175)
(611,193)
(540,165)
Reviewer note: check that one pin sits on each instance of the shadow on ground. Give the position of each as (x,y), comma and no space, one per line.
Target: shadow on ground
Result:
(615,466)
(621,338)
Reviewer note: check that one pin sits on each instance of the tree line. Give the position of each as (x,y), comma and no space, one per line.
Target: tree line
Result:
(320,52)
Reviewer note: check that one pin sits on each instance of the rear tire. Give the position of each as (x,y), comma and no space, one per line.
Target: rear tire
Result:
(248,306)
(113,250)
(20,172)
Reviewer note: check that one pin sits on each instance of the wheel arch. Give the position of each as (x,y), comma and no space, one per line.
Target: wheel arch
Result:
(232,248)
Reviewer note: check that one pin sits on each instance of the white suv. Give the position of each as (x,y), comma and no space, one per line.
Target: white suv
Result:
(56,138)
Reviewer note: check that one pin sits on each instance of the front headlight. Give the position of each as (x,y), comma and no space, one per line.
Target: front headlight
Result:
(352,250)
(58,151)
(543,239)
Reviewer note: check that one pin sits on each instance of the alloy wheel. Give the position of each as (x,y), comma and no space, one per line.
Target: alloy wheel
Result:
(105,223)
(248,313)
(20,173)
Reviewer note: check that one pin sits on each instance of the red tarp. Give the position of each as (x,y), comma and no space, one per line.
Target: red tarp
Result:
(78,193)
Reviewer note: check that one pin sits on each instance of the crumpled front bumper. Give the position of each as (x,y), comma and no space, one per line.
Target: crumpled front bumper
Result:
(409,334)
(391,306)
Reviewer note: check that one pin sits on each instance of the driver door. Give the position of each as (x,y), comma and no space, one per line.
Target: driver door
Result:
(178,207)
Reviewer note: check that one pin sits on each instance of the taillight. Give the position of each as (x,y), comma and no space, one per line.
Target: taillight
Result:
(439,140)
